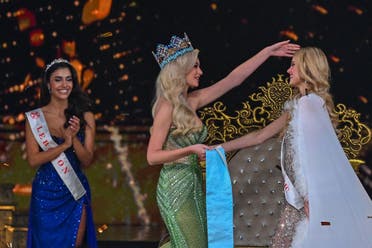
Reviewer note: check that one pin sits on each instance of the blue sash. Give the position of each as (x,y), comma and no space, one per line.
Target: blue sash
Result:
(219,200)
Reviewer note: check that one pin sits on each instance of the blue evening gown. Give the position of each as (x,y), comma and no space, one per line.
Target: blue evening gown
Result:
(54,214)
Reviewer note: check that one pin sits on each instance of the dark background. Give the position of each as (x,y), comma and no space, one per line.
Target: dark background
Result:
(226,32)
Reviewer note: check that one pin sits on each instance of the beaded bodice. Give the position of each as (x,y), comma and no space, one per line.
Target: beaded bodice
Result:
(180,141)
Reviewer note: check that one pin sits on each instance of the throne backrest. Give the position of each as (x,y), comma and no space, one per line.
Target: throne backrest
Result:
(258,197)
(255,171)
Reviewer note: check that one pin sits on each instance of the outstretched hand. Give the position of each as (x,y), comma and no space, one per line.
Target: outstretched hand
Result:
(200,149)
(283,49)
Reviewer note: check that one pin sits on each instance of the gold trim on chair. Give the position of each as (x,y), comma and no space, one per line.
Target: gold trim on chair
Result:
(353,134)
(265,106)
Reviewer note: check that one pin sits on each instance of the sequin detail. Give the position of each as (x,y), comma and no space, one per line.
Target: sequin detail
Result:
(180,196)
(54,214)
(290,217)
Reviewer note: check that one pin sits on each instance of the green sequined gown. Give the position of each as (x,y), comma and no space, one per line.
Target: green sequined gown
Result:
(180,195)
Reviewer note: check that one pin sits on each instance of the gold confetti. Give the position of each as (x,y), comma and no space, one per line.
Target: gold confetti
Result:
(356,10)
(363,99)
(105,35)
(213,6)
(320,9)
(102,228)
(334,58)
(290,34)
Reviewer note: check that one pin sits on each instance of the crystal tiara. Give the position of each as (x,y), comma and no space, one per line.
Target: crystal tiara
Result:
(56,61)
(177,46)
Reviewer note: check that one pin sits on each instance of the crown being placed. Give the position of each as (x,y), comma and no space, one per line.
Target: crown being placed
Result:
(56,61)
(177,46)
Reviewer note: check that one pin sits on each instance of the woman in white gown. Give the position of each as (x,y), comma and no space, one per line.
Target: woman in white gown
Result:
(326,205)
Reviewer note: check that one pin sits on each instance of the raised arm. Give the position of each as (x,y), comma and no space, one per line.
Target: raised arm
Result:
(156,155)
(240,73)
(257,137)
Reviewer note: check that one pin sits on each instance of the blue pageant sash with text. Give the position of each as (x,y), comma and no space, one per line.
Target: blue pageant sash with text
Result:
(219,200)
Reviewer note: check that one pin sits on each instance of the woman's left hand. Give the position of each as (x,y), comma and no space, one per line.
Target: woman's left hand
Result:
(283,49)
(74,125)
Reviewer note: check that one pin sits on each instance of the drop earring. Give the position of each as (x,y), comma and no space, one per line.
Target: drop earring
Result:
(306,92)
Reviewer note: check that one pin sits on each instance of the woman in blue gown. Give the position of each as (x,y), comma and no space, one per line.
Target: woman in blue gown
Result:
(60,141)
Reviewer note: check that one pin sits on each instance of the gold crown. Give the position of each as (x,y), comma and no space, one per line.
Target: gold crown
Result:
(177,47)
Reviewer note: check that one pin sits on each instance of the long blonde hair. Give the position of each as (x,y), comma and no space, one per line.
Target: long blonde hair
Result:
(313,69)
(171,85)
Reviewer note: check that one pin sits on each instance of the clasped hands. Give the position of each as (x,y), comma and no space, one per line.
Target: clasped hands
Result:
(201,149)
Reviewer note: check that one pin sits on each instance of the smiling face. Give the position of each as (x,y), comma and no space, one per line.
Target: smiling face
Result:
(293,74)
(60,83)
(193,76)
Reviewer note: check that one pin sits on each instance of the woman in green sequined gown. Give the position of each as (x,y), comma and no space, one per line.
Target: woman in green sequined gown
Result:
(177,134)
(179,194)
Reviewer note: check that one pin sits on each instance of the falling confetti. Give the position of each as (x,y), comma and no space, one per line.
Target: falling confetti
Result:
(320,9)
(111,43)
(289,34)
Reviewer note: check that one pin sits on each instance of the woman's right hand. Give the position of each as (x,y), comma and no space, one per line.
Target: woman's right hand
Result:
(283,49)
(199,149)
(68,134)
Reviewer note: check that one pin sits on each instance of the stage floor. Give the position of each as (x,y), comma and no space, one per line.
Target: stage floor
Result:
(125,236)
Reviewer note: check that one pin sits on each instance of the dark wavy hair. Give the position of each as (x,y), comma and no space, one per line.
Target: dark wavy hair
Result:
(78,100)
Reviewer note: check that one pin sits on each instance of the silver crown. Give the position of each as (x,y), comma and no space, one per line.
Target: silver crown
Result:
(56,61)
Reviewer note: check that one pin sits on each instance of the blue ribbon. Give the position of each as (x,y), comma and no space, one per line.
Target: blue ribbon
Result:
(219,200)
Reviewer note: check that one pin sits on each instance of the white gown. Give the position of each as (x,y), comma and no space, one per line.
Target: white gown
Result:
(339,207)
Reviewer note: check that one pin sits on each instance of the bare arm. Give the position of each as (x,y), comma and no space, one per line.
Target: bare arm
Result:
(240,73)
(35,157)
(85,152)
(161,125)
(257,137)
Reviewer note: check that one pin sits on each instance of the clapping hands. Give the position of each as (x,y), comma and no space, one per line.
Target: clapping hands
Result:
(74,125)
(72,129)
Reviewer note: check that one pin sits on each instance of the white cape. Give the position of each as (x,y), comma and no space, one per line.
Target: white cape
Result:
(340,209)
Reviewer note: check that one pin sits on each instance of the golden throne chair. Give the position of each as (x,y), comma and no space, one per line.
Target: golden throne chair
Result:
(255,172)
